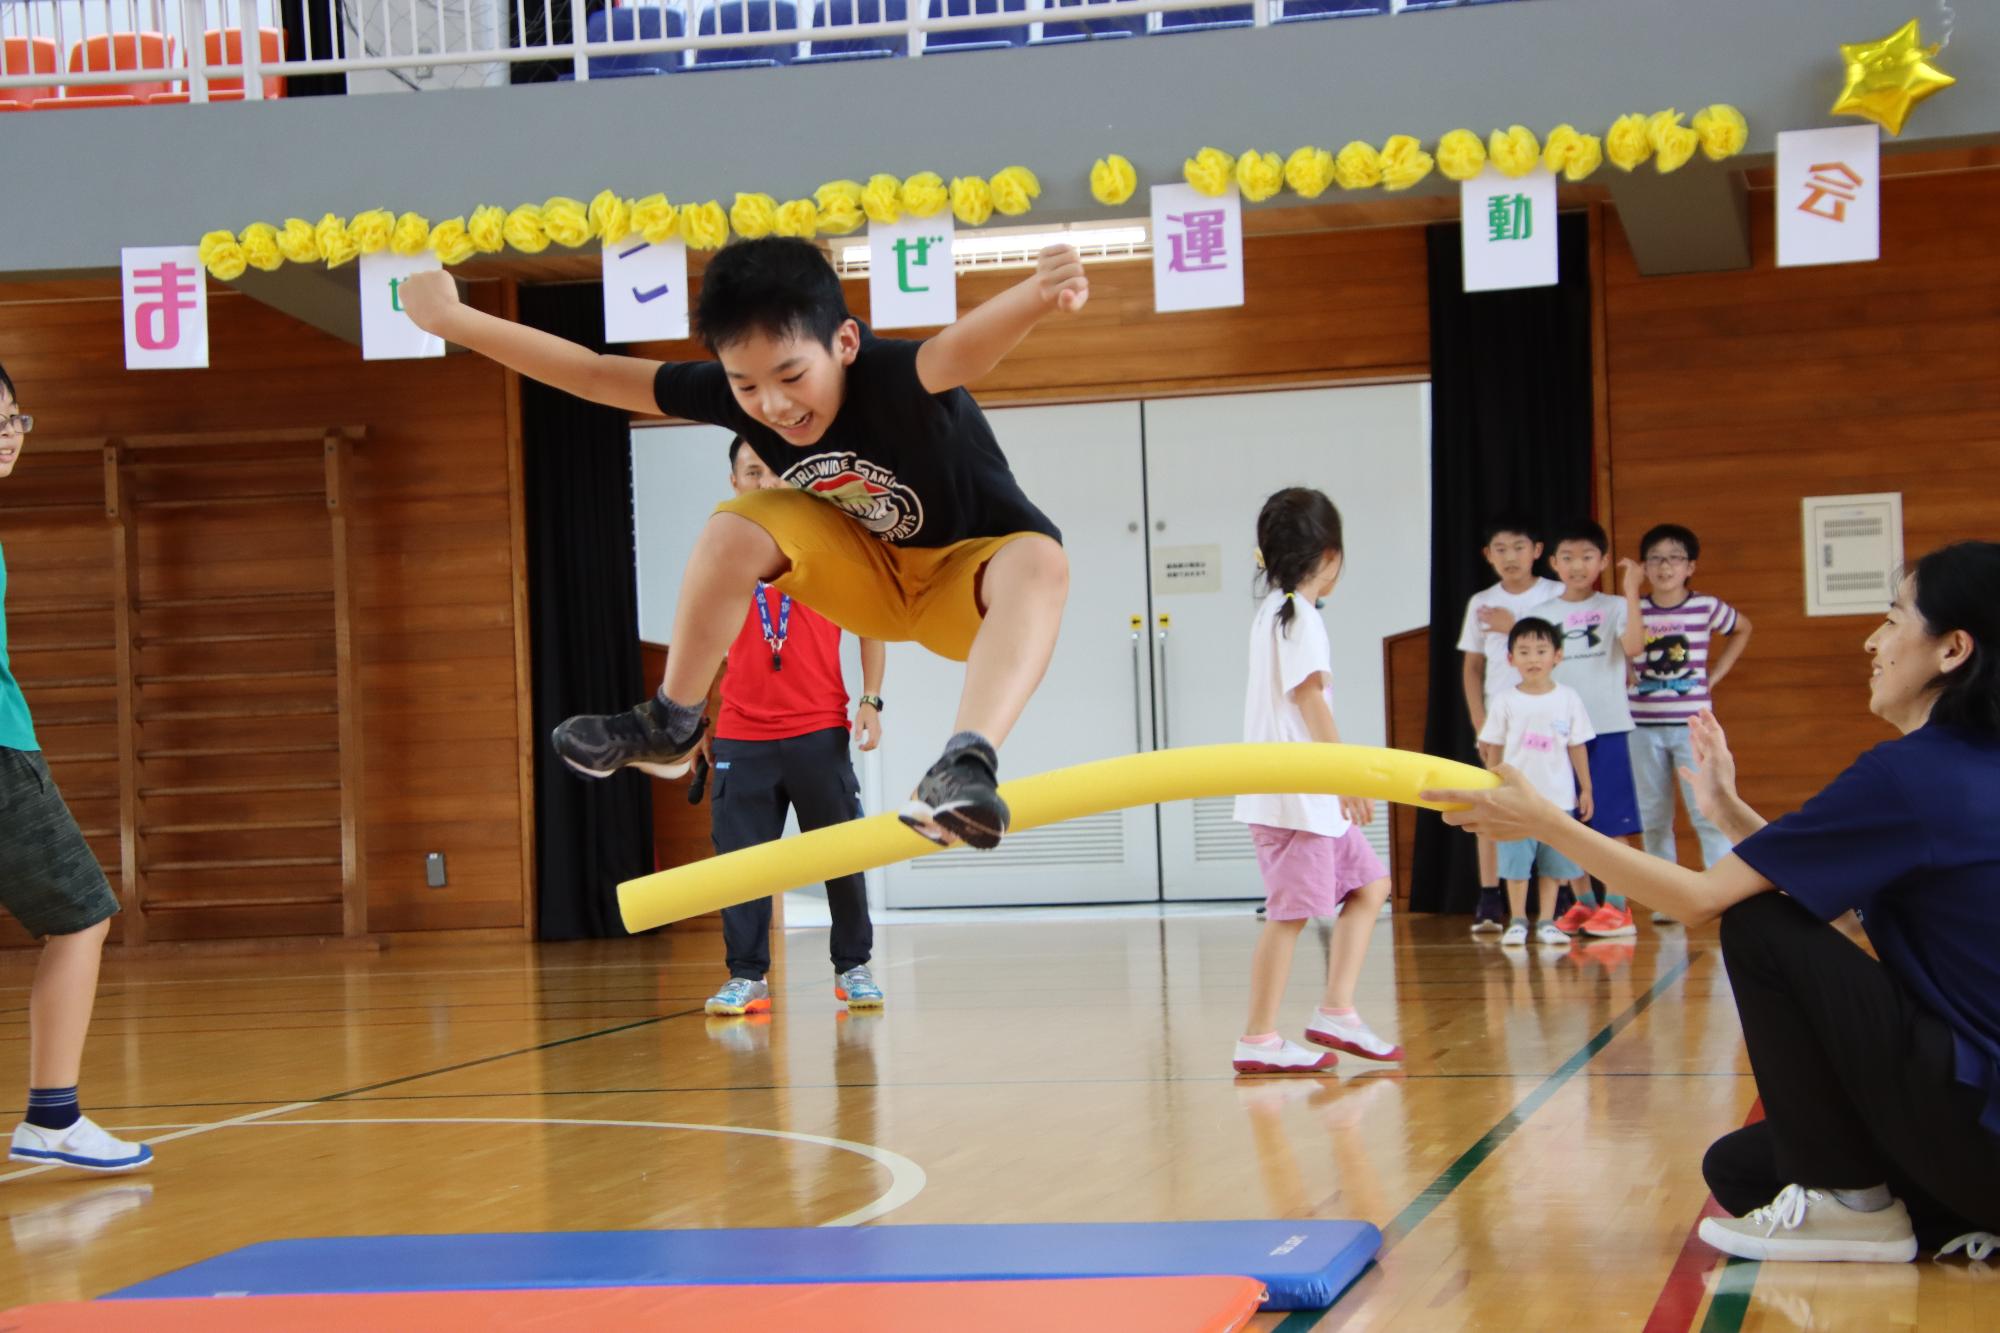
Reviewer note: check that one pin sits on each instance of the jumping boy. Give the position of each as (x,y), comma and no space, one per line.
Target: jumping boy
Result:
(899,520)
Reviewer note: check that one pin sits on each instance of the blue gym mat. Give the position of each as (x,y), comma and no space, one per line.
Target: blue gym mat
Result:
(1304,1264)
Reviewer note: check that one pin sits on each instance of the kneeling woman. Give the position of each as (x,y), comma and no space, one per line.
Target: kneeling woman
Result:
(1880,1080)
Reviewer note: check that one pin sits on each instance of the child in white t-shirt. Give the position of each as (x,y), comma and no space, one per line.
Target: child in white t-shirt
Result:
(1510,547)
(1539,727)
(1314,859)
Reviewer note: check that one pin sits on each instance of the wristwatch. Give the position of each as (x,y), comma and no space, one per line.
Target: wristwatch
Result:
(874,701)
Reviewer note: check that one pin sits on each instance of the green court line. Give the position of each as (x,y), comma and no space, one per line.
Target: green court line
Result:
(1731,1301)
(1454,1175)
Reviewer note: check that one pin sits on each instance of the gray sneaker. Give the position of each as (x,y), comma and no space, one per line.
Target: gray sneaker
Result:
(599,744)
(741,996)
(959,799)
(857,987)
(1812,1225)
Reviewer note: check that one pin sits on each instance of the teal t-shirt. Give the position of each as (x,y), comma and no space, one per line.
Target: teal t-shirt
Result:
(17,729)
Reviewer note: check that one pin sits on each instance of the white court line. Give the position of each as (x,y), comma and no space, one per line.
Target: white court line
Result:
(906,1178)
(188,1132)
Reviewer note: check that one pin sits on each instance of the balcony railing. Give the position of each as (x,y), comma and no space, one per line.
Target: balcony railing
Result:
(69,54)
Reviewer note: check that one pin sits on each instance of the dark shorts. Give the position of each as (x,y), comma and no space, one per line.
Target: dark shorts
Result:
(49,879)
(1615,800)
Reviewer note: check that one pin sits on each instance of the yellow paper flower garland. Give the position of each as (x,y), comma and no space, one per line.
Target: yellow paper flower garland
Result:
(1514,151)
(1460,155)
(971,200)
(1259,175)
(260,247)
(797,217)
(1722,129)
(1112,180)
(1359,166)
(1309,171)
(412,234)
(1015,190)
(924,195)
(839,207)
(1211,171)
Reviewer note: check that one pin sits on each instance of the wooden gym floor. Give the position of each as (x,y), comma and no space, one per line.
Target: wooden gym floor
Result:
(1535,1165)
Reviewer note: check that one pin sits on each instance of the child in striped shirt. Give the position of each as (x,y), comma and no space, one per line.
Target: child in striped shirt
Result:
(1673,681)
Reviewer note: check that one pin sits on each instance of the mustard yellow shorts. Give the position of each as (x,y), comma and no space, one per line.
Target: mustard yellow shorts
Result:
(898,594)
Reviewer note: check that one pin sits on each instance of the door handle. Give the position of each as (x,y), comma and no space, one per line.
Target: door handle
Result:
(1166,623)
(1138,689)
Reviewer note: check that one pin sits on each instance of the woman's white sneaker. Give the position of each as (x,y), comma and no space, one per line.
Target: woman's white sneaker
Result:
(1808,1225)
(84,1144)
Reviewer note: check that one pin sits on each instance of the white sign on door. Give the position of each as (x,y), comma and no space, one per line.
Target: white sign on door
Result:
(1197,249)
(166,307)
(1507,226)
(912,279)
(1854,546)
(386,331)
(1829,193)
(1187,569)
(645,290)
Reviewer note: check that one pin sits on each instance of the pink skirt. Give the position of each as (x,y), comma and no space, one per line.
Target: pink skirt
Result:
(1308,874)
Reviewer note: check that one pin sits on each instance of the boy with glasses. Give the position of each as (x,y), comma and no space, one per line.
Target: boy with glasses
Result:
(1672,682)
(51,883)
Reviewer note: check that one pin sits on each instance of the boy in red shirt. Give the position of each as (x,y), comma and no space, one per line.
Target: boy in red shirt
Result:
(780,741)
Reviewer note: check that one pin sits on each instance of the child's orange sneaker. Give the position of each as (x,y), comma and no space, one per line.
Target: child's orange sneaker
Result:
(1572,921)
(1610,923)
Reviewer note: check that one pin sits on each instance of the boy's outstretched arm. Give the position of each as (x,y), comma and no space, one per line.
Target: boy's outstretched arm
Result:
(971,348)
(431,300)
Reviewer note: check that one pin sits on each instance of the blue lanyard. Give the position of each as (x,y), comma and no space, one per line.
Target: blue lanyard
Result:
(775,642)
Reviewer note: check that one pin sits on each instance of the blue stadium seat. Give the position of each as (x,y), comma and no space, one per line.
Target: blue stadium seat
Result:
(722,17)
(829,16)
(1065,31)
(1305,11)
(976,39)
(630,25)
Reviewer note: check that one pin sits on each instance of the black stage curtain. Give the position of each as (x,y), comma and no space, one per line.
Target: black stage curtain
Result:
(584,629)
(1511,426)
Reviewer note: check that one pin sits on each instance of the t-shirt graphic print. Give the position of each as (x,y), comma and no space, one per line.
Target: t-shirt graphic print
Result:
(864,490)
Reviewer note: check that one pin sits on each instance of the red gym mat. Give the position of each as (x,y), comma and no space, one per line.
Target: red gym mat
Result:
(1084,1305)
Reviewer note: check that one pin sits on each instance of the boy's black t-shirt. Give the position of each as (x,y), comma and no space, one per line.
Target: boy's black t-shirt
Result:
(913,467)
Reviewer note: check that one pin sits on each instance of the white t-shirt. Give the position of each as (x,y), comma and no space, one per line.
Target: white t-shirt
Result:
(1280,659)
(1500,673)
(1535,732)
(1594,662)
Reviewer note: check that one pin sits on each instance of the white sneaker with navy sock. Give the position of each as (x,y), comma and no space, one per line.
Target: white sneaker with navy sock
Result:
(85,1144)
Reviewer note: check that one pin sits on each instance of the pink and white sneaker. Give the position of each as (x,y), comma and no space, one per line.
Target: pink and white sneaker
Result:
(1352,1035)
(1287,1057)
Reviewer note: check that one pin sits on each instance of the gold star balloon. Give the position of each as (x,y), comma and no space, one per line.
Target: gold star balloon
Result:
(1886,78)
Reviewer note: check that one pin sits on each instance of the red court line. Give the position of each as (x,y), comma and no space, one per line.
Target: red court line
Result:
(1681,1297)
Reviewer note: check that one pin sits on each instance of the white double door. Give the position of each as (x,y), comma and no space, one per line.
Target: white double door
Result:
(1158,503)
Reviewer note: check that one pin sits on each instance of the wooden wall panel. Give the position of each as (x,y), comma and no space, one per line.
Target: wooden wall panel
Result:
(1734,395)
(1406,681)
(431,537)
